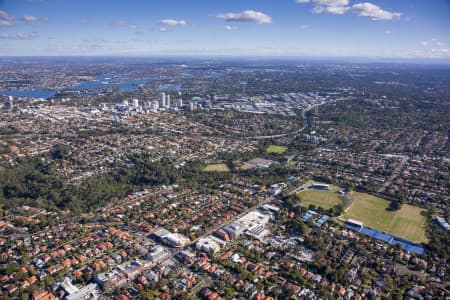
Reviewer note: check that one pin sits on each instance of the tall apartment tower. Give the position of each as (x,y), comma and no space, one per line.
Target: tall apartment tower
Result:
(316,119)
(162,99)
(9,104)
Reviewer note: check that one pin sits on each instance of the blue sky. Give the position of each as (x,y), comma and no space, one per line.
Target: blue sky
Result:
(376,28)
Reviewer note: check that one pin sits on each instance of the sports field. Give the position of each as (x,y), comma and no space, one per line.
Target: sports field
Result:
(324,199)
(276,149)
(216,168)
(406,223)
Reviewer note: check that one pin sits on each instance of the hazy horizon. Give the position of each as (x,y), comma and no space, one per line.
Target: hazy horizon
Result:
(289,28)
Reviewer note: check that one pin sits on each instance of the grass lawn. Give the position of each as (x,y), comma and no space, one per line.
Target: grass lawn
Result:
(276,149)
(292,163)
(216,168)
(324,199)
(406,223)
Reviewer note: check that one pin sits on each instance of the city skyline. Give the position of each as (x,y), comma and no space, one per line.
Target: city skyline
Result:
(338,28)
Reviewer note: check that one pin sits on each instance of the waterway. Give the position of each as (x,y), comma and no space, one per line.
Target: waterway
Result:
(29,93)
(171,87)
(121,81)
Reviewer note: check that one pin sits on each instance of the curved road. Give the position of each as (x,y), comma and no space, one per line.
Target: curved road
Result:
(262,137)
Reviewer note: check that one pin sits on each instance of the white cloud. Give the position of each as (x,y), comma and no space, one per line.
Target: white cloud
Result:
(437,42)
(443,52)
(331,2)
(4,23)
(434,48)
(246,16)
(19,36)
(337,7)
(29,19)
(433,42)
(387,31)
(229,27)
(5,16)
(173,22)
(325,2)
(374,12)
(124,24)
(336,10)
(163,29)
(340,7)
(304,26)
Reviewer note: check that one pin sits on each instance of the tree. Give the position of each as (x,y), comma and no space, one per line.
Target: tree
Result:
(21,276)
(59,152)
(25,296)
(395,205)
(388,281)
(229,293)
(12,267)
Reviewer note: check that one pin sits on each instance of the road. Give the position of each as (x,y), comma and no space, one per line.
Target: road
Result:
(394,174)
(208,232)
(300,188)
(206,280)
(211,230)
(263,137)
